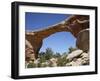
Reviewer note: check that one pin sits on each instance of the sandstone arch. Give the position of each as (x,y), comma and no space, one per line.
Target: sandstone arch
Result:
(73,24)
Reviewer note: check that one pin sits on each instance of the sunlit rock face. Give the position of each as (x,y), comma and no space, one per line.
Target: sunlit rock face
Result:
(74,24)
(53,62)
(29,52)
(74,54)
(78,58)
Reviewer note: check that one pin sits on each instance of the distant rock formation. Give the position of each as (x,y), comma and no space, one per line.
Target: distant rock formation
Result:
(74,24)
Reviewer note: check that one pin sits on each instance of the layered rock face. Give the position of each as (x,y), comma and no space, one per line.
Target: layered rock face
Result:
(29,52)
(74,24)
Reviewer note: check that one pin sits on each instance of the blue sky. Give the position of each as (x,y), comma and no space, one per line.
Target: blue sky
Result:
(60,41)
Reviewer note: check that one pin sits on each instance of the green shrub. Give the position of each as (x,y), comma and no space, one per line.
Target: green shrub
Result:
(31,65)
(47,55)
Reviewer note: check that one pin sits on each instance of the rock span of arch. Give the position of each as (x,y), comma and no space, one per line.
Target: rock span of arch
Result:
(73,24)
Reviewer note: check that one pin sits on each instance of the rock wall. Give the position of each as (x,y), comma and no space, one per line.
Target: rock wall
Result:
(73,24)
(82,41)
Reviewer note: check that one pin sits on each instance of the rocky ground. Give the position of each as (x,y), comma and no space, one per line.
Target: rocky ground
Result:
(75,58)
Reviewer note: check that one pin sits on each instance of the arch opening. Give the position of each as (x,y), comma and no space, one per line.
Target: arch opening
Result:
(59,42)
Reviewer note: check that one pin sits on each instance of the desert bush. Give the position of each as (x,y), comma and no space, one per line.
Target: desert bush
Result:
(44,58)
(71,49)
(31,65)
(62,61)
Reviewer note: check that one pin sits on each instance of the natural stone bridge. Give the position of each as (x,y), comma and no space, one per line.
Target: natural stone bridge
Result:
(78,25)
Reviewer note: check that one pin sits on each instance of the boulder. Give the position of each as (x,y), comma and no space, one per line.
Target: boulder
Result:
(74,54)
(53,62)
(78,62)
(85,58)
(80,59)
